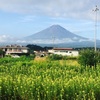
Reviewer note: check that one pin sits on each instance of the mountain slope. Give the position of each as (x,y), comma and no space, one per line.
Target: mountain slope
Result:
(55,31)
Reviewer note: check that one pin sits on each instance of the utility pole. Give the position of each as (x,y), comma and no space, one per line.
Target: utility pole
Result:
(95,10)
(53,41)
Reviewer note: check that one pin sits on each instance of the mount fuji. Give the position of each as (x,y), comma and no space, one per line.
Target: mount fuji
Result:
(54,34)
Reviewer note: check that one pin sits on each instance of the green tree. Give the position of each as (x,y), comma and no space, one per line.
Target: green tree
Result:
(56,57)
(89,58)
(1,53)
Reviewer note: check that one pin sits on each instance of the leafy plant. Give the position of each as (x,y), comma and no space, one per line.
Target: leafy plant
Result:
(56,57)
(26,79)
(2,53)
(89,58)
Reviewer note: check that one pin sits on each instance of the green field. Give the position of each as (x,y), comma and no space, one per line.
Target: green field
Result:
(42,79)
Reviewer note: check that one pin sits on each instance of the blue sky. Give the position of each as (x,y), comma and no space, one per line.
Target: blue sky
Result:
(20,18)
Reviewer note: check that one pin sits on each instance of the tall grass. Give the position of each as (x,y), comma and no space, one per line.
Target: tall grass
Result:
(48,80)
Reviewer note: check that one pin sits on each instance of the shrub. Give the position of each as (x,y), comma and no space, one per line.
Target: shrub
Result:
(56,57)
(2,53)
(89,58)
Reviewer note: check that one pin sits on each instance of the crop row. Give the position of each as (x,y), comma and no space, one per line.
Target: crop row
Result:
(48,80)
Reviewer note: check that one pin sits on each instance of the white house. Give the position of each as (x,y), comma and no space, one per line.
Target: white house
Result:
(64,51)
(14,49)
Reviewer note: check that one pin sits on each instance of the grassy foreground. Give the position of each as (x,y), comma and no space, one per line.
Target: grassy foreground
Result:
(41,79)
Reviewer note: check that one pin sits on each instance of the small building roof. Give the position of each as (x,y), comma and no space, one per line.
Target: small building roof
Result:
(63,49)
(14,46)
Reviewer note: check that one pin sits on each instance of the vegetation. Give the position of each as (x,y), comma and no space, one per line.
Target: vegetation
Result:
(37,48)
(60,57)
(1,53)
(56,57)
(89,58)
(28,79)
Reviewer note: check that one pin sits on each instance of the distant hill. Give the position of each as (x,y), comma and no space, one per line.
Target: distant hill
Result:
(37,47)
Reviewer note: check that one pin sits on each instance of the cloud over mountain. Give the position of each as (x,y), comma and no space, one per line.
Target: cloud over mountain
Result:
(7,39)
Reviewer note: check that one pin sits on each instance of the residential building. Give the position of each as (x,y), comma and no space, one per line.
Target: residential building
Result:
(64,51)
(15,50)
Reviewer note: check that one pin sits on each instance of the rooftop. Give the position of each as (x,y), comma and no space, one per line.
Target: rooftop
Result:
(63,49)
(14,46)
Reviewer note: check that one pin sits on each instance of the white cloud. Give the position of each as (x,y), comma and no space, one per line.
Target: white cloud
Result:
(58,8)
(7,38)
(28,18)
(4,38)
(56,41)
